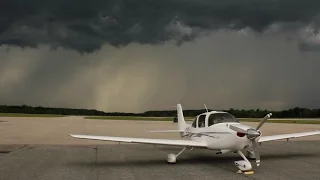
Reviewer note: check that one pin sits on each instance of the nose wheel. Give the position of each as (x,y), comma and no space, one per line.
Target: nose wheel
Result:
(243,165)
(172,158)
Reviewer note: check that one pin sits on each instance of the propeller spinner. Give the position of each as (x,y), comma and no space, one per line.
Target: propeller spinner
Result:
(252,134)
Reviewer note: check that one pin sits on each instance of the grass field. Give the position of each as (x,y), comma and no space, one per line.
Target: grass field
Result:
(130,118)
(28,115)
(290,121)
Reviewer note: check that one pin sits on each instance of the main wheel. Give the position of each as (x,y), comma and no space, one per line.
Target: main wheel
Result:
(172,158)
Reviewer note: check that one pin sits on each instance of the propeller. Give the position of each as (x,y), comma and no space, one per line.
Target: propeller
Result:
(263,120)
(252,134)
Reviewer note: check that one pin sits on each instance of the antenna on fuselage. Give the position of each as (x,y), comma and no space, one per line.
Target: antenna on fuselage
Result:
(206,107)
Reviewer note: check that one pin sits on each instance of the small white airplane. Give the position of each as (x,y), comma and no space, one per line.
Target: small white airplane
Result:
(215,130)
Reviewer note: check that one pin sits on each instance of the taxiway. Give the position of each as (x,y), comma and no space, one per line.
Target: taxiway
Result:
(41,148)
(280,160)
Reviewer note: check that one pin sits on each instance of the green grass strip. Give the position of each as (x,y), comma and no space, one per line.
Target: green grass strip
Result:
(288,121)
(28,115)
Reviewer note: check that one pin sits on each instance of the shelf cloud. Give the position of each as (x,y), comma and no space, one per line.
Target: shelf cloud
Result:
(86,25)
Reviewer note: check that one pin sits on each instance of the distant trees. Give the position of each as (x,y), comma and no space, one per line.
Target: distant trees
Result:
(45,110)
(290,113)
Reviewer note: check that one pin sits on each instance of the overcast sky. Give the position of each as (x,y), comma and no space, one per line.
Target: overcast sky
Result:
(142,55)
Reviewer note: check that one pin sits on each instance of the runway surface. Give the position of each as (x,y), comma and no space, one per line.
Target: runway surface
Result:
(41,149)
(53,131)
(280,160)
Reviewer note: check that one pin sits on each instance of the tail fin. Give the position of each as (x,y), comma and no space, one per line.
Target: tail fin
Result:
(181,122)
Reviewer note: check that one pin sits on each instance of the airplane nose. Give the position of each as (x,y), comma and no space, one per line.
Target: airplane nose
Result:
(243,130)
(252,133)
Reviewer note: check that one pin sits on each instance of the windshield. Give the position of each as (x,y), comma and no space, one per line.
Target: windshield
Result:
(221,118)
(194,123)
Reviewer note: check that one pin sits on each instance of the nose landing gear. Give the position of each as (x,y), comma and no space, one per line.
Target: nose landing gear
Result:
(244,165)
(250,154)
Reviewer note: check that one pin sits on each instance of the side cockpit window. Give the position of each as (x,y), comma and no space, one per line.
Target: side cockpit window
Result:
(211,120)
(201,121)
(194,123)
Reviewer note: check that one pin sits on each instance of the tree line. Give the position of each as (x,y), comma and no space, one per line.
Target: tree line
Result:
(257,113)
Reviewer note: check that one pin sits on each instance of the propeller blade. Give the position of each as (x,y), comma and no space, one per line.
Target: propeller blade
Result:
(237,129)
(256,152)
(264,120)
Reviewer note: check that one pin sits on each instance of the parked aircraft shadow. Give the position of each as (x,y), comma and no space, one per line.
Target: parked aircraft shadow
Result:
(185,160)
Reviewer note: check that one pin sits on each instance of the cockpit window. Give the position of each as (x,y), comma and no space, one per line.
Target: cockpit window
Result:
(201,121)
(221,118)
(194,123)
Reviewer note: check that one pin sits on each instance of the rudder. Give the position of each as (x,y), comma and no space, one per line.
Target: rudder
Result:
(181,122)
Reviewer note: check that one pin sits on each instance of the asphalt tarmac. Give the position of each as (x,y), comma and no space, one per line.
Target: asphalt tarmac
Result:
(279,160)
(55,131)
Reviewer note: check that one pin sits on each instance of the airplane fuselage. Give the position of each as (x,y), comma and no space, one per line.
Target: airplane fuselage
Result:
(219,137)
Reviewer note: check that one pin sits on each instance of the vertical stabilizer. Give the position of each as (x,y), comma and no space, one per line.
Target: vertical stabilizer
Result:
(181,122)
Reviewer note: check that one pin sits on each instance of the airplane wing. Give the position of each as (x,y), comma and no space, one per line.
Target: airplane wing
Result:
(143,140)
(167,131)
(287,136)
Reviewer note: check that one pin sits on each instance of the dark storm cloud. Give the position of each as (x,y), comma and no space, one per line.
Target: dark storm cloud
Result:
(85,25)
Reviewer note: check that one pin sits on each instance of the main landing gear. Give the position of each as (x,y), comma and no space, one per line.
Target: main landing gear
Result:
(244,165)
(172,158)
